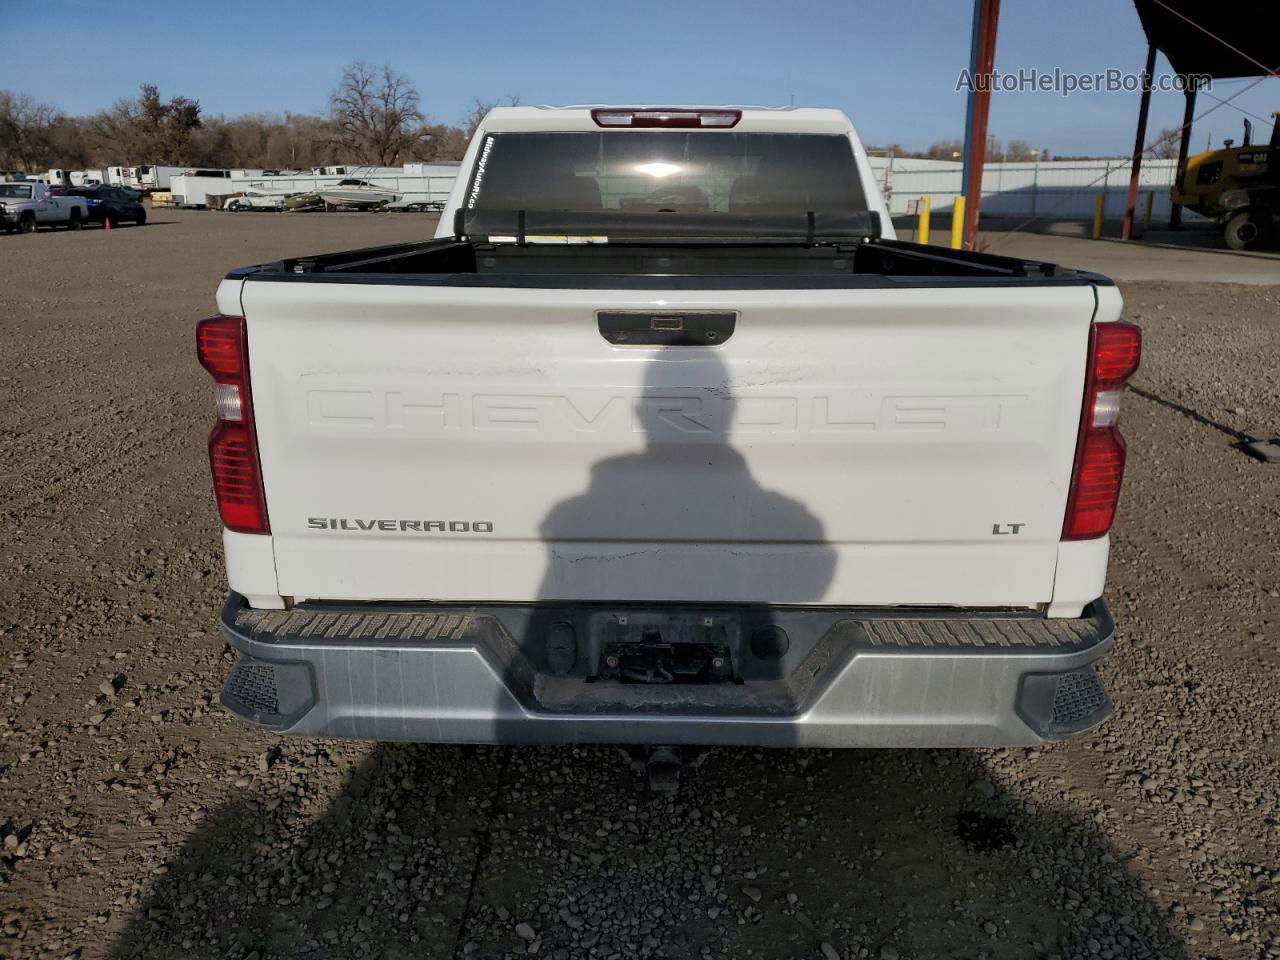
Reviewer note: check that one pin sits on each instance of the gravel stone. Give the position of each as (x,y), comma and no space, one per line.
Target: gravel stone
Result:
(176,831)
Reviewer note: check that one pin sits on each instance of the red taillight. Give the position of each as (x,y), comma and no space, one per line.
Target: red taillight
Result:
(1114,352)
(1117,350)
(233,456)
(222,344)
(682,117)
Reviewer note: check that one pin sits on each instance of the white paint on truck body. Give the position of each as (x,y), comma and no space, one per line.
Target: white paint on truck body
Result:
(906,445)
(867,444)
(31,199)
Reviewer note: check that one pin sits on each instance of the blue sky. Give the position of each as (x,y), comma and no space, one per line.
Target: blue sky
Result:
(892,66)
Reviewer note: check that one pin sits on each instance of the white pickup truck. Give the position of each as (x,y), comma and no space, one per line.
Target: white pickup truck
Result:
(28,204)
(665,439)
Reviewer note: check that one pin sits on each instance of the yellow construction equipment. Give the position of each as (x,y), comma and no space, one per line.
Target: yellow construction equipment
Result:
(1237,186)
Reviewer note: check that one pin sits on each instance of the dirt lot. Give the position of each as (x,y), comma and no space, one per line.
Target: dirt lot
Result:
(138,820)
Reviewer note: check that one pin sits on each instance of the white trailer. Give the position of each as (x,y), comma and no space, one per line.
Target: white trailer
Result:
(153,177)
(88,178)
(192,189)
(120,176)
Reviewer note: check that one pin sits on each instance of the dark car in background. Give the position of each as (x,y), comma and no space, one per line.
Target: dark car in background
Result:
(110,203)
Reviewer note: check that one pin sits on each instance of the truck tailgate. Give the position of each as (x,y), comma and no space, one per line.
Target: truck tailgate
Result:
(902,445)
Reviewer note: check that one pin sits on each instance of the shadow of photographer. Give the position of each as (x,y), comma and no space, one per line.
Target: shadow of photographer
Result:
(435,851)
(680,520)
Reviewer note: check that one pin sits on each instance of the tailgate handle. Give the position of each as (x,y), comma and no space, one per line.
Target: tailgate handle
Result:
(641,328)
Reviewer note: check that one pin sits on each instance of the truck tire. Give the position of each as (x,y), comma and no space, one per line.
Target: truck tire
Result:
(27,223)
(1248,230)
(142,219)
(74,223)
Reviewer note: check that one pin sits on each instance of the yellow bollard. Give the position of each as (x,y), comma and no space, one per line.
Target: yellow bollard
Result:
(1098,201)
(922,231)
(1146,217)
(957,223)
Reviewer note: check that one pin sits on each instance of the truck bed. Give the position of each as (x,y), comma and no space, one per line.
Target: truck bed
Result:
(453,261)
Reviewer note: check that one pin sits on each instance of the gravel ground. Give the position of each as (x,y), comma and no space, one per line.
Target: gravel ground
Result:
(138,820)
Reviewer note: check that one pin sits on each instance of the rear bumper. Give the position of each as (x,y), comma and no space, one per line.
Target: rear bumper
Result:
(852,677)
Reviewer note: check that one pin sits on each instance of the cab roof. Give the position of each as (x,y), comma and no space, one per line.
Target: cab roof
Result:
(586,117)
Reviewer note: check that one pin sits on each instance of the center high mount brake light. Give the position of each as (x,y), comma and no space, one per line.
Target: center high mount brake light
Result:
(677,117)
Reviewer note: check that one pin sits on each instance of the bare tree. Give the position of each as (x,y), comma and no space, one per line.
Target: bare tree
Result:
(475,113)
(439,141)
(1166,145)
(27,132)
(1021,151)
(376,119)
(115,132)
(298,140)
(888,150)
(375,113)
(147,130)
(173,123)
(945,150)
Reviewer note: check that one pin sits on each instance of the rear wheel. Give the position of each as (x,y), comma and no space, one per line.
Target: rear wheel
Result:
(27,223)
(74,222)
(1248,230)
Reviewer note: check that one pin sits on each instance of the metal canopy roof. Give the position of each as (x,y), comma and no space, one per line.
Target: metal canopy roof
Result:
(1251,26)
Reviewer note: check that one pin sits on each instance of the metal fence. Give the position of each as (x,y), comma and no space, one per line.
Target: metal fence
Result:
(1051,189)
(1062,189)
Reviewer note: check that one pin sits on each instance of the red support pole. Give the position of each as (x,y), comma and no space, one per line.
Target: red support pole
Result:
(1131,201)
(984,58)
